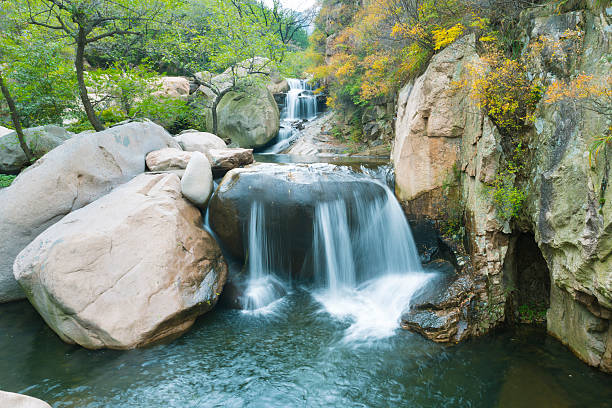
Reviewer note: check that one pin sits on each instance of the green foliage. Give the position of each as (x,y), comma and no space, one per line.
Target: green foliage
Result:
(507,198)
(39,76)
(532,313)
(6,180)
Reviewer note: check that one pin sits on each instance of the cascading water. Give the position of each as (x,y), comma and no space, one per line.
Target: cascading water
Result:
(300,104)
(263,287)
(363,257)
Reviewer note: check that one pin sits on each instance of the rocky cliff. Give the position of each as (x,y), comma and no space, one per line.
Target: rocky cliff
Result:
(555,255)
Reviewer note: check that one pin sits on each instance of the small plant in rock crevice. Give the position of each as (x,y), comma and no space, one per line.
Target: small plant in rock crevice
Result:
(508,198)
(6,180)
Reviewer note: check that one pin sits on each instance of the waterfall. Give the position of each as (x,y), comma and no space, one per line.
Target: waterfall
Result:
(301,102)
(263,287)
(363,257)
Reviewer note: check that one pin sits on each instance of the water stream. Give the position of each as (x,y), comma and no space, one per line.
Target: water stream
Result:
(300,104)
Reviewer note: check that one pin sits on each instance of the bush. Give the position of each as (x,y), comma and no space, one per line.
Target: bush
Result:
(6,180)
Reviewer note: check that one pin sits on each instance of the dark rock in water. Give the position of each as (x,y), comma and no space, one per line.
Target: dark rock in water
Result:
(441,310)
(289,195)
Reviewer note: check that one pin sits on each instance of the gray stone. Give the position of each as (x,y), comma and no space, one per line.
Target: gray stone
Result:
(41,140)
(97,285)
(69,177)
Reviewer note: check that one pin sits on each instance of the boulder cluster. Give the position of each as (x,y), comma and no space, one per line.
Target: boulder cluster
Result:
(104,234)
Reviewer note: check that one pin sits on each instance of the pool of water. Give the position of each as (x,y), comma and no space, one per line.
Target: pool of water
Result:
(297,355)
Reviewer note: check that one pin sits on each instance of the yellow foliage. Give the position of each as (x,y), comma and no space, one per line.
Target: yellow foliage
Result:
(445,36)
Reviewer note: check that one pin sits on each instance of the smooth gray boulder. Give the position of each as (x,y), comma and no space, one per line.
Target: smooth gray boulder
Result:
(197,181)
(41,140)
(248,117)
(194,141)
(74,174)
(97,284)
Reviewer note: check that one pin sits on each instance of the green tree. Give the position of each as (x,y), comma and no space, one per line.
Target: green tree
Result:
(87,22)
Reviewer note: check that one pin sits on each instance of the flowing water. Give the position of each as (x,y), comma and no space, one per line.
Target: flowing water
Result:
(300,104)
(296,357)
(330,342)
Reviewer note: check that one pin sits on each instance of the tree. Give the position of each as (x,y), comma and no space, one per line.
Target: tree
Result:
(15,119)
(86,22)
(246,40)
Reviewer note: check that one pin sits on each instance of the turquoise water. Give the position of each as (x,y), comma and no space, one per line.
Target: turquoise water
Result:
(295,357)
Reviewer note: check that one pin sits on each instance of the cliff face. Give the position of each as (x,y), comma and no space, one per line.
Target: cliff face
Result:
(557,253)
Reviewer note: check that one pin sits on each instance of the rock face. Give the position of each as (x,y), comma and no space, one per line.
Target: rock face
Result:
(167,159)
(249,117)
(197,182)
(12,400)
(431,120)
(41,140)
(556,254)
(69,177)
(175,87)
(95,283)
(288,195)
(194,141)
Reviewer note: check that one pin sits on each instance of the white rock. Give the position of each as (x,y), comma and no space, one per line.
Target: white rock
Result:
(194,141)
(168,159)
(12,400)
(127,270)
(197,182)
(76,173)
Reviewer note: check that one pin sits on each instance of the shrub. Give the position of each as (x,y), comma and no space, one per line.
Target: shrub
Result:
(6,180)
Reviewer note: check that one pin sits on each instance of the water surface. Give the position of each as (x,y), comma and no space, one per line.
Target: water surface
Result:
(298,356)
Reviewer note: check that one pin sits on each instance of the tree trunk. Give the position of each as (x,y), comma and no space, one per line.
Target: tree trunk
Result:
(218,98)
(78,64)
(16,121)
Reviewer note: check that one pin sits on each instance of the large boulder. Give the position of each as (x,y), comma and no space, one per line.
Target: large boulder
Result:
(41,140)
(5,131)
(248,117)
(195,141)
(76,173)
(197,182)
(13,400)
(96,284)
(432,117)
(288,196)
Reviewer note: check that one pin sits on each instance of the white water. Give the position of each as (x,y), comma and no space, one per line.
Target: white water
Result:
(263,287)
(366,265)
(301,102)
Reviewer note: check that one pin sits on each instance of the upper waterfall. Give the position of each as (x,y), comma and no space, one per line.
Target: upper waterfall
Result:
(301,102)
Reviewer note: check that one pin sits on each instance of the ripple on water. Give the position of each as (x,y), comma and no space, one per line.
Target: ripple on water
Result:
(295,358)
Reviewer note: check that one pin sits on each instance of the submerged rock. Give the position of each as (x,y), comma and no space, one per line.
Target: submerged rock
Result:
(41,140)
(69,177)
(441,310)
(13,400)
(96,284)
